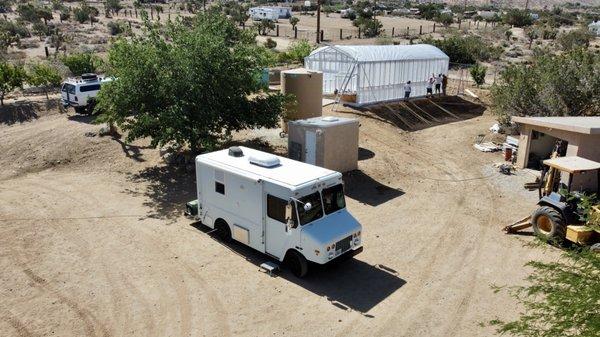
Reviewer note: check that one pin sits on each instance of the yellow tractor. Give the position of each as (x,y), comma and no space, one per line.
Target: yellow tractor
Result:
(558,217)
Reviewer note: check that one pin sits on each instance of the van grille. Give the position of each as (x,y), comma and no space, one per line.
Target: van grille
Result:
(344,244)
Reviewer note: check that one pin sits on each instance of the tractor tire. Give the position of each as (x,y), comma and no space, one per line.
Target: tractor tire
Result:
(223,231)
(297,263)
(549,225)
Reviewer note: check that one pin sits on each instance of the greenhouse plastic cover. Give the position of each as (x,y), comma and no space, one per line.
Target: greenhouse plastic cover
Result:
(377,73)
(389,52)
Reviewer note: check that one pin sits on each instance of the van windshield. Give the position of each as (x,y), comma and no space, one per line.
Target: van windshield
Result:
(333,198)
(316,210)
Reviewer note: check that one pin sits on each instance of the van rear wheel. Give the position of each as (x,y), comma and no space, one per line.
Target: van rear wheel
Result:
(297,263)
(223,231)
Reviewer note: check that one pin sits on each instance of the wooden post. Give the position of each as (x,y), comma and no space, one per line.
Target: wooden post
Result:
(421,30)
(359,32)
(318,20)
(135,9)
(477,24)
(341,34)
(129,24)
(469,24)
(46,50)
(434,27)
(407,32)
(277,32)
(392,31)
(459,22)
(485,26)
(322,34)
(295,32)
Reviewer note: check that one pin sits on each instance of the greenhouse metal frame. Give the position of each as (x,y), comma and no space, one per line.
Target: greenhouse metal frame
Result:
(377,73)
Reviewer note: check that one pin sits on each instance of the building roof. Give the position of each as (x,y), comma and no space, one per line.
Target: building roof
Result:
(572,164)
(585,125)
(289,172)
(371,53)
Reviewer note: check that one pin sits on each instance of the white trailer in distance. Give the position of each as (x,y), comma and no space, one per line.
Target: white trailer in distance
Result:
(289,210)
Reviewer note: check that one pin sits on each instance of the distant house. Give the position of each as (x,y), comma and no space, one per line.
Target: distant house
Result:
(595,28)
(446,11)
(281,12)
(534,16)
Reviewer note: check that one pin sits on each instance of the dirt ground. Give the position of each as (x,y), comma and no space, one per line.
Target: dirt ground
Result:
(93,241)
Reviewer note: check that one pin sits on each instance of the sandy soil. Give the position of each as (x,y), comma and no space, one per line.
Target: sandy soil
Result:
(93,242)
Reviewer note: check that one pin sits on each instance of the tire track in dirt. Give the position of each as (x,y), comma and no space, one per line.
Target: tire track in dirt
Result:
(89,321)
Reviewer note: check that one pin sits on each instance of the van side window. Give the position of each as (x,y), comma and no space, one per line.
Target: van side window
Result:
(219,187)
(276,208)
(86,88)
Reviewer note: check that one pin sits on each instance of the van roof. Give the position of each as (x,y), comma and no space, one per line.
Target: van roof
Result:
(289,172)
(79,81)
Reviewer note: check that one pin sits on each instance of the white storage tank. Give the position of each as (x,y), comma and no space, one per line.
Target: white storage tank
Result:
(330,142)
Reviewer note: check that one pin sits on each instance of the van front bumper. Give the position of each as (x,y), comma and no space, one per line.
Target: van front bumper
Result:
(346,255)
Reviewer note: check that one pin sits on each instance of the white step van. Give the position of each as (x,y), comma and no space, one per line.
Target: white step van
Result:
(292,211)
(80,92)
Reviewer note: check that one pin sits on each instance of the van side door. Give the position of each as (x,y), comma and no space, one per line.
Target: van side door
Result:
(278,237)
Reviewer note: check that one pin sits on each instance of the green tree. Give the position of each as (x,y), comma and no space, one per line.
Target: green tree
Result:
(553,85)
(560,300)
(193,88)
(478,72)
(517,18)
(294,21)
(5,5)
(28,13)
(508,34)
(264,26)
(81,63)
(532,35)
(445,19)
(270,43)
(113,6)
(465,49)
(11,78)
(43,75)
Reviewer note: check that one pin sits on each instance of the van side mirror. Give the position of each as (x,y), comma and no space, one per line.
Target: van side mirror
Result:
(289,219)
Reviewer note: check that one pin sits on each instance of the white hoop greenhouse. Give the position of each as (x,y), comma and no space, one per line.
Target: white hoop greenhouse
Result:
(377,73)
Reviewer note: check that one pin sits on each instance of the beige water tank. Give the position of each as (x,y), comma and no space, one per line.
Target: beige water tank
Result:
(330,142)
(307,86)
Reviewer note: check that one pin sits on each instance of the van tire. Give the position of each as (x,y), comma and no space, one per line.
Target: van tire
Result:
(297,263)
(223,231)
(80,110)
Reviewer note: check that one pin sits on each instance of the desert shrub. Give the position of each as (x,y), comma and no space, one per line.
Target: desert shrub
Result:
(560,299)
(384,40)
(517,18)
(579,38)
(294,21)
(548,33)
(204,84)
(270,43)
(429,10)
(116,27)
(81,63)
(5,5)
(553,85)
(65,14)
(466,49)
(478,73)
(13,28)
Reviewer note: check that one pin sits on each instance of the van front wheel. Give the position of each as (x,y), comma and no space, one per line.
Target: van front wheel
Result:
(297,264)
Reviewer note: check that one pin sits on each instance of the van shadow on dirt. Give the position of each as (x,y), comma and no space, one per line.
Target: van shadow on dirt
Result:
(351,284)
(361,187)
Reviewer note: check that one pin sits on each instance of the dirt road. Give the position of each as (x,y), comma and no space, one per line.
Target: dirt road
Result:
(93,243)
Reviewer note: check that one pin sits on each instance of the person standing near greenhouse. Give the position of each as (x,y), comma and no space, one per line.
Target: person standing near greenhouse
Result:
(430,82)
(407,90)
(438,84)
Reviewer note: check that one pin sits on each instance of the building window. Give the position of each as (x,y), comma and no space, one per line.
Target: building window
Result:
(276,208)
(219,187)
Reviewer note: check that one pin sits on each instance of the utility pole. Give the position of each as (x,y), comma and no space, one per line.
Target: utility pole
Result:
(318,21)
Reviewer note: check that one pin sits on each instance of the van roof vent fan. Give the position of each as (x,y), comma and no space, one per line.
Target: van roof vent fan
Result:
(235,151)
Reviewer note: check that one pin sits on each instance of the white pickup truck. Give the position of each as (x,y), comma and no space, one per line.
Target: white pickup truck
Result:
(292,211)
(79,92)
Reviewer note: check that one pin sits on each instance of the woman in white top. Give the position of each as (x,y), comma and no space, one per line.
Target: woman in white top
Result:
(430,82)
